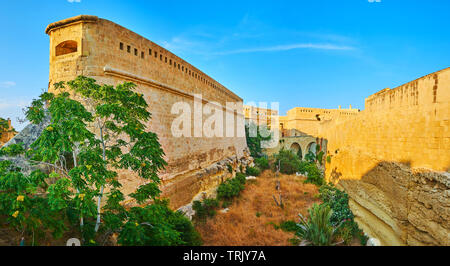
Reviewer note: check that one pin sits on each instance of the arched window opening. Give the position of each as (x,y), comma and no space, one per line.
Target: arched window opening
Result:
(66,47)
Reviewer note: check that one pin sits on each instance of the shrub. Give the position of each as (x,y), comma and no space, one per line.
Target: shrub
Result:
(318,230)
(345,232)
(253,171)
(158,225)
(288,226)
(288,161)
(226,203)
(241,178)
(338,202)
(230,168)
(262,163)
(230,189)
(314,175)
(205,209)
(189,234)
(310,157)
(303,167)
(320,156)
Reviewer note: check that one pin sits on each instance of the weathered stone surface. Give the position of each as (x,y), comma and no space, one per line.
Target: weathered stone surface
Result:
(187,210)
(208,183)
(111,54)
(309,120)
(29,134)
(393,158)
(26,137)
(401,206)
(373,242)
(379,155)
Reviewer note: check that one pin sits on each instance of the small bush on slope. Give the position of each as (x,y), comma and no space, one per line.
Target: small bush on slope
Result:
(253,171)
(338,202)
(262,163)
(288,161)
(205,209)
(318,230)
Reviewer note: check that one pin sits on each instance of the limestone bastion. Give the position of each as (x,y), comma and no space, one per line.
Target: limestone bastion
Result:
(111,54)
(393,159)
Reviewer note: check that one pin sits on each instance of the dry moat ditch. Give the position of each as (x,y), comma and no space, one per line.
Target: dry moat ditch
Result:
(254,218)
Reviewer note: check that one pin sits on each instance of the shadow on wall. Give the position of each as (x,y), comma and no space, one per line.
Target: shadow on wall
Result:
(399,205)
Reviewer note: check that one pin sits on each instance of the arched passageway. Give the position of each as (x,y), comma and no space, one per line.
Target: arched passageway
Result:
(295,147)
(312,147)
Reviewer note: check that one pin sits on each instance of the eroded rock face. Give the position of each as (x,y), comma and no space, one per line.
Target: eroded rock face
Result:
(26,137)
(207,181)
(377,156)
(402,206)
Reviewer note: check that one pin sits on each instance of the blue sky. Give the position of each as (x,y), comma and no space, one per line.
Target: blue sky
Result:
(298,53)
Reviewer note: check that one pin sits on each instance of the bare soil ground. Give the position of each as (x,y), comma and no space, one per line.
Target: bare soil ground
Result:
(251,218)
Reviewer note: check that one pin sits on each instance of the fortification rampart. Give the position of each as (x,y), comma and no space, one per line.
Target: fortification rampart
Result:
(408,124)
(393,159)
(112,54)
(309,120)
(7,134)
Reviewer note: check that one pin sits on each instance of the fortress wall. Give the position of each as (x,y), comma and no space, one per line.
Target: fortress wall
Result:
(100,41)
(7,135)
(407,124)
(393,159)
(307,119)
(103,55)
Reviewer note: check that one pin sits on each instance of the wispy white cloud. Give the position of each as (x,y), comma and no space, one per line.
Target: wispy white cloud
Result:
(20,103)
(180,44)
(246,36)
(287,48)
(74,1)
(7,84)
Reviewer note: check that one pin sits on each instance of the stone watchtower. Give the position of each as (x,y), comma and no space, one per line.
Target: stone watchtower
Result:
(8,134)
(111,54)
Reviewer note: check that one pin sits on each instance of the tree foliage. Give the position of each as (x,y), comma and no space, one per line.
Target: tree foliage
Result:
(318,229)
(287,161)
(94,131)
(338,201)
(254,142)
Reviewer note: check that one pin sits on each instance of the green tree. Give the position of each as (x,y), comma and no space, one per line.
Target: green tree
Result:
(254,142)
(287,161)
(93,132)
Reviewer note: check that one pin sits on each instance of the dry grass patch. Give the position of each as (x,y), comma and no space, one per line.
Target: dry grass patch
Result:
(251,218)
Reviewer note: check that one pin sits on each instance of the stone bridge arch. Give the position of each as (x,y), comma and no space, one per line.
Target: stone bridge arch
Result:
(311,147)
(290,143)
(295,147)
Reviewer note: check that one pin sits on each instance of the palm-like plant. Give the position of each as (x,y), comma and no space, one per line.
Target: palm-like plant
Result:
(318,230)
